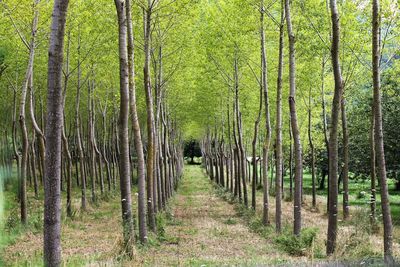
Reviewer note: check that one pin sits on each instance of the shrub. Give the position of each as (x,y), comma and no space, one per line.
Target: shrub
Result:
(361,194)
(297,246)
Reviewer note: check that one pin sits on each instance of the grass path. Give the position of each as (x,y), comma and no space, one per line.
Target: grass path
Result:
(198,229)
(207,231)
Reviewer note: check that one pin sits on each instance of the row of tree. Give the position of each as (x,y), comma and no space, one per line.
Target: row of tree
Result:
(205,76)
(102,145)
(227,162)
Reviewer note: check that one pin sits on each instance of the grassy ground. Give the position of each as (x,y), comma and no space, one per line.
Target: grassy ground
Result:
(199,228)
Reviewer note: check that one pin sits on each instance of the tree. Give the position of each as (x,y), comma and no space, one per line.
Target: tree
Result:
(125,172)
(150,116)
(294,125)
(278,142)
(192,149)
(378,138)
(333,134)
(52,181)
(136,130)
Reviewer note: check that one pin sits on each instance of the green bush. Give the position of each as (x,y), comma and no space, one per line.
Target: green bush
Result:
(297,246)
(361,194)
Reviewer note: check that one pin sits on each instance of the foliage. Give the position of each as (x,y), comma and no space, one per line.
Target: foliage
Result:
(297,246)
(192,149)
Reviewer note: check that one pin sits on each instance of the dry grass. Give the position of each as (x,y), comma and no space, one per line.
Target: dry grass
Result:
(200,229)
(93,235)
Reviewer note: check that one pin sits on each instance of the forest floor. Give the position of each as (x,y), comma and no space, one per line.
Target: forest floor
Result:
(202,226)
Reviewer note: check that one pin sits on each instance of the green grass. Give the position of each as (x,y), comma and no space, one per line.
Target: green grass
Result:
(355,187)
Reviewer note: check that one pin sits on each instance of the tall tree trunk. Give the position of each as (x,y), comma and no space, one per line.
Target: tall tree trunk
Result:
(298,178)
(241,152)
(325,128)
(136,130)
(379,146)
(65,146)
(81,157)
(290,161)
(33,165)
(267,141)
(278,141)
(254,144)
(39,132)
(22,119)
(312,156)
(125,172)
(345,170)
(373,170)
(333,135)
(54,124)
(150,117)
(14,140)
(90,143)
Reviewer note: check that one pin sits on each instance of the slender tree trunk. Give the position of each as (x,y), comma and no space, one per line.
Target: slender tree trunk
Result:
(263,90)
(325,128)
(14,140)
(125,172)
(278,142)
(54,124)
(90,144)
(333,136)
(150,118)
(136,130)
(290,161)
(345,170)
(379,146)
(241,152)
(22,119)
(33,165)
(254,143)
(38,131)
(312,156)
(65,146)
(295,129)
(373,170)
(81,157)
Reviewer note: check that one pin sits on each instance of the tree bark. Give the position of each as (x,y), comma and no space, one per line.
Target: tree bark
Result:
(54,124)
(22,119)
(267,141)
(373,170)
(278,141)
(241,151)
(295,129)
(125,172)
(150,117)
(379,146)
(345,170)
(81,157)
(333,135)
(312,156)
(136,130)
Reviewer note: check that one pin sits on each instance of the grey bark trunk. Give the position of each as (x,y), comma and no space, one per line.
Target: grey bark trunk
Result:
(150,118)
(278,142)
(333,135)
(345,170)
(125,172)
(136,130)
(379,146)
(298,178)
(54,124)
